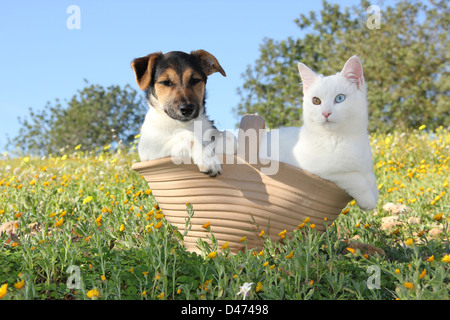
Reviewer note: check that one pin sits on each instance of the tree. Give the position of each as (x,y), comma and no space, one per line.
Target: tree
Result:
(405,64)
(94,117)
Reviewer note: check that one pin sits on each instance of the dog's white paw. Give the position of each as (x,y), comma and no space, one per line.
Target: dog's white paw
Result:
(210,165)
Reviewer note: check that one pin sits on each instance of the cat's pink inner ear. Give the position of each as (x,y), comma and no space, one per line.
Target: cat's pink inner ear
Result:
(353,71)
(308,76)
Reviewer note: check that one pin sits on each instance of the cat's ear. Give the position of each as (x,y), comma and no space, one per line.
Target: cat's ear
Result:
(308,76)
(353,71)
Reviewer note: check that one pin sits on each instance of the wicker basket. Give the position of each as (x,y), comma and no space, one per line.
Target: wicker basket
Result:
(242,201)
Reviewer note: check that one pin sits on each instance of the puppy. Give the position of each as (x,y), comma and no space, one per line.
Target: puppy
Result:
(176,124)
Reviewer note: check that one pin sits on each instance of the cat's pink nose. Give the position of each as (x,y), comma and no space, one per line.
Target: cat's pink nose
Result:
(326,114)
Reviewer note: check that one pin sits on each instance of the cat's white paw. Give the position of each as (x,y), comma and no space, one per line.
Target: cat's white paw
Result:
(367,203)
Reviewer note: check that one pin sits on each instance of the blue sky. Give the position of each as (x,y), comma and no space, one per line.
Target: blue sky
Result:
(41,59)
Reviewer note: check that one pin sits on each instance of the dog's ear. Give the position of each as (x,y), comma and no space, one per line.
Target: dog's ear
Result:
(208,62)
(143,68)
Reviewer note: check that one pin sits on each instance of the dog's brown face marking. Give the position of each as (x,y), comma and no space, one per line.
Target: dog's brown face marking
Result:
(180,95)
(175,82)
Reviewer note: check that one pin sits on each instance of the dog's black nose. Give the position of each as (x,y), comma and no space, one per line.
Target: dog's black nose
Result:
(186,109)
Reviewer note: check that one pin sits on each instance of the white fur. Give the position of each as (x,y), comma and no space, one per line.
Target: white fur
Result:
(162,136)
(336,149)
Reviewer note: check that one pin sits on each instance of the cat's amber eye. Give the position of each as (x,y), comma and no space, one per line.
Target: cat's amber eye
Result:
(316,101)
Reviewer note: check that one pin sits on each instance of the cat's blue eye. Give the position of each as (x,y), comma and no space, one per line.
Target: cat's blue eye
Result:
(339,98)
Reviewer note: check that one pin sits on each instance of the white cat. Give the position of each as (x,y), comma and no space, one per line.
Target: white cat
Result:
(333,142)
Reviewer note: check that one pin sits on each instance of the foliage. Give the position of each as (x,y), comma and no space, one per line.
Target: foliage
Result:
(405,64)
(94,117)
(95,213)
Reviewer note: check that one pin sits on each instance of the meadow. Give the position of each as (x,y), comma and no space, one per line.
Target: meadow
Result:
(83,225)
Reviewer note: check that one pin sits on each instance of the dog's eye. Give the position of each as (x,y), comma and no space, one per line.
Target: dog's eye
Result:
(166,83)
(194,81)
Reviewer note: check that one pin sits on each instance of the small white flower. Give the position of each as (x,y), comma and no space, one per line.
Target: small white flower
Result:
(245,288)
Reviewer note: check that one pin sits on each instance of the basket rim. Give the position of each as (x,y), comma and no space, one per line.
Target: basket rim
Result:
(143,166)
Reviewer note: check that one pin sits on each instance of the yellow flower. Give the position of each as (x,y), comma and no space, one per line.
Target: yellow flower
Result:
(266,264)
(78,147)
(145,273)
(261,233)
(438,217)
(311,282)
(289,256)
(446,258)
(282,234)
(351,250)
(312,225)
(397,271)
(422,127)
(243,239)
(98,221)
(225,245)
(122,227)
(206,225)
(430,259)
(160,296)
(103,277)
(178,291)
(93,293)
(59,222)
(423,274)
(409,242)
(158,225)
(3,290)
(144,293)
(259,286)
(212,254)
(87,199)
(409,285)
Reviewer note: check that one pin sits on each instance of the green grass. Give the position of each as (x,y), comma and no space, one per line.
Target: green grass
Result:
(99,234)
